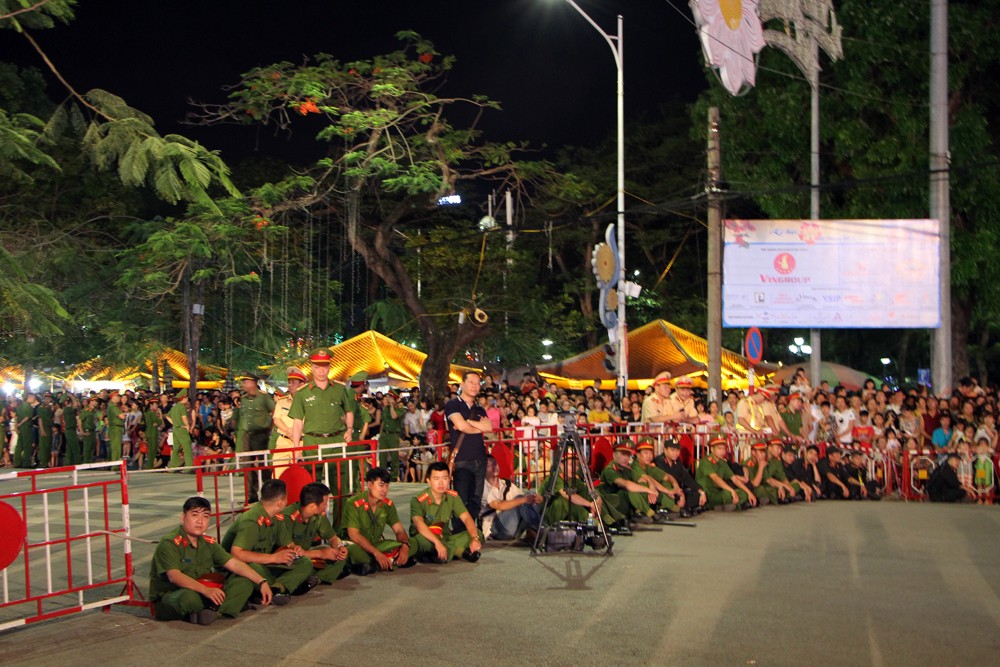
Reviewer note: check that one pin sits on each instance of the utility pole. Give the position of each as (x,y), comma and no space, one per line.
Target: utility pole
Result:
(940,204)
(714,258)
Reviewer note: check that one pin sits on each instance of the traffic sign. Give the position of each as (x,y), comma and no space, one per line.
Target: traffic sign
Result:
(754,345)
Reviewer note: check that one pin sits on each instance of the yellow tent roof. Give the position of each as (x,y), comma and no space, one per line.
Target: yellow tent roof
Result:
(97,369)
(380,357)
(652,348)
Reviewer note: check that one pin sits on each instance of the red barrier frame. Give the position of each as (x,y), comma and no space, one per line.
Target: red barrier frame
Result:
(103,576)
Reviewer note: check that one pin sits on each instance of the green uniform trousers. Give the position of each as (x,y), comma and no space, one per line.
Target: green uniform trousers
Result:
(721,496)
(88,443)
(44,450)
(358,556)
(176,605)
(22,453)
(115,443)
(456,544)
(289,578)
(182,443)
(73,453)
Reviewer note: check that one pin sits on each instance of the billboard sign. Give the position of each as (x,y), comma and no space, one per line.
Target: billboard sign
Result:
(829,274)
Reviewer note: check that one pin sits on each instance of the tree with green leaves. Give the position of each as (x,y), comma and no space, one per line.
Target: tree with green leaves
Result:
(874,152)
(391,153)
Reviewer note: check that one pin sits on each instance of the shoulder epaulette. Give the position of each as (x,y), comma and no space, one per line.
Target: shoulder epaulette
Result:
(209,539)
(181,541)
(295,515)
(388,502)
(359,502)
(422,497)
(279,516)
(452,492)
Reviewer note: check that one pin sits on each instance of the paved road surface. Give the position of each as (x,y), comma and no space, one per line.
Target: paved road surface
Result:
(885,583)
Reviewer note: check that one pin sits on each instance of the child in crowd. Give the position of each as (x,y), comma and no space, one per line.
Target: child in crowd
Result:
(982,472)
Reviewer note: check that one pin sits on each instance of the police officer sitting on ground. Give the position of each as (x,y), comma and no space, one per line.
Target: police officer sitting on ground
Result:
(725,490)
(795,473)
(254,537)
(670,498)
(507,511)
(366,516)
(571,501)
(431,513)
(621,489)
(307,526)
(186,555)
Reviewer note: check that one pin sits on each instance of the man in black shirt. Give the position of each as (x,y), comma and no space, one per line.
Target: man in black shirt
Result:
(467,422)
(795,471)
(695,499)
(831,470)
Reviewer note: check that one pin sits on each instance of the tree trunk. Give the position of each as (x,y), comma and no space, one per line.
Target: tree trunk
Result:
(961,315)
(981,370)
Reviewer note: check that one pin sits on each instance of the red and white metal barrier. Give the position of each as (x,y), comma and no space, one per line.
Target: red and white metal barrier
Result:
(65,542)
(917,469)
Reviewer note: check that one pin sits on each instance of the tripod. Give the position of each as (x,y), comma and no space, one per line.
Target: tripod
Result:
(569,439)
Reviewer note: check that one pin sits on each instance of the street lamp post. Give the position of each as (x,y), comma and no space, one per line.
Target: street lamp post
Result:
(616,42)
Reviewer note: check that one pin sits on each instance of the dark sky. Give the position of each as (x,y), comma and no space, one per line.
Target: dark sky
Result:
(551,70)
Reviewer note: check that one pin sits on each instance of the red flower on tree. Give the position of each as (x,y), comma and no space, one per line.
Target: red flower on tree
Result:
(426,57)
(307,107)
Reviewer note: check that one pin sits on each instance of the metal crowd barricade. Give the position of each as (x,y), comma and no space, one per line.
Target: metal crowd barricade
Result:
(917,469)
(225,478)
(76,553)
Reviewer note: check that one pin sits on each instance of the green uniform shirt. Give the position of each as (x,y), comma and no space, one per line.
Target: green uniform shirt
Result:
(776,469)
(255,531)
(579,486)
(307,533)
(368,520)
(612,472)
(793,420)
(750,466)
(256,412)
(424,507)
(114,422)
(322,410)
(176,416)
(152,421)
(709,465)
(25,411)
(45,418)
(87,420)
(175,552)
(69,418)
(390,425)
(638,470)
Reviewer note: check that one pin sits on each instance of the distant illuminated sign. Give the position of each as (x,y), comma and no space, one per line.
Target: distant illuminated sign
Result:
(831,273)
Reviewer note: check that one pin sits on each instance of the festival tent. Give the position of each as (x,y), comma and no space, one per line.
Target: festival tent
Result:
(99,374)
(652,348)
(380,357)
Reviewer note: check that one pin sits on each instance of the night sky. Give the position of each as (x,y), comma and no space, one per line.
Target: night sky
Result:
(552,72)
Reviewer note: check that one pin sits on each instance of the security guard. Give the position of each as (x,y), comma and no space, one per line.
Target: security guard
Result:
(281,436)
(185,555)
(25,416)
(669,461)
(680,405)
(256,410)
(671,497)
(431,513)
(88,436)
(152,420)
(359,384)
(757,470)
(620,487)
(306,525)
(366,516)
(654,406)
(180,420)
(255,538)
(722,488)
(72,430)
(116,428)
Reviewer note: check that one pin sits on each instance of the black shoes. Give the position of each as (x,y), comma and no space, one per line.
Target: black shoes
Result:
(471,556)
(203,617)
(363,569)
(307,585)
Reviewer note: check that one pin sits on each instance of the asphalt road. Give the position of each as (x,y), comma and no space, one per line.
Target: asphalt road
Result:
(834,583)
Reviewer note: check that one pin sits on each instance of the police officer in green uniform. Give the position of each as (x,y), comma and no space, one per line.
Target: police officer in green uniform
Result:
(44,414)
(366,516)
(571,500)
(646,473)
(721,486)
(25,415)
(88,434)
(322,414)
(256,408)
(152,419)
(116,427)
(620,487)
(760,478)
(787,492)
(392,427)
(431,513)
(256,535)
(306,526)
(187,554)
(72,433)
(180,420)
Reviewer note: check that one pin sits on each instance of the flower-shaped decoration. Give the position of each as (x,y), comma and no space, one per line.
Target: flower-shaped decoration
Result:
(731,33)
